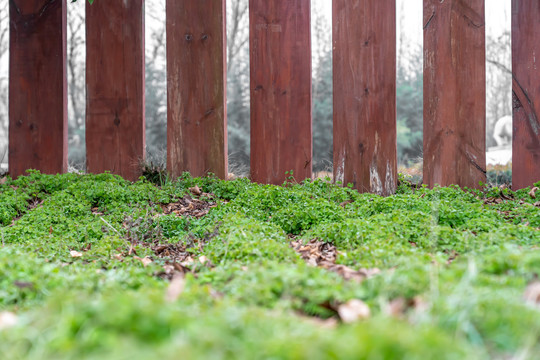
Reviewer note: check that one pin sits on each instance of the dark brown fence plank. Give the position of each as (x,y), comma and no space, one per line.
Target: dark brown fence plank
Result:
(115,124)
(454,93)
(38,86)
(280,67)
(196,76)
(526,93)
(364,42)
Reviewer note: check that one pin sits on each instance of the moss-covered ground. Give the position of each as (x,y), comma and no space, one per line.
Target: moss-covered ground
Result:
(93,266)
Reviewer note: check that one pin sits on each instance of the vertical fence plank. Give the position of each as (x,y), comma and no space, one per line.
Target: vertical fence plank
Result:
(196,78)
(454,93)
(38,86)
(115,123)
(364,56)
(526,93)
(280,70)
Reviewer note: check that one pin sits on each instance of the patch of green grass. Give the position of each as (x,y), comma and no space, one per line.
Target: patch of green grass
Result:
(80,269)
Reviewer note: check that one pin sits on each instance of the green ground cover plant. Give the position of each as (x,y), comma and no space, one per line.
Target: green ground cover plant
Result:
(93,266)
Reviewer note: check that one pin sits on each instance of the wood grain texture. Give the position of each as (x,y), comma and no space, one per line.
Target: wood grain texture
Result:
(37,87)
(196,87)
(115,123)
(364,70)
(526,93)
(280,88)
(454,93)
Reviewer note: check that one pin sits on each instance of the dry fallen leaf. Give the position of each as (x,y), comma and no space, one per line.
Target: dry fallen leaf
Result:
(7,320)
(176,287)
(420,305)
(3,180)
(203,259)
(353,310)
(23,284)
(195,190)
(74,253)
(330,323)
(145,261)
(532,294)
(397,307)
(188,261)
(168,269)
(532,193)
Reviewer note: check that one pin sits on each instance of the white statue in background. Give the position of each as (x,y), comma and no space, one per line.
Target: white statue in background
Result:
(502,132)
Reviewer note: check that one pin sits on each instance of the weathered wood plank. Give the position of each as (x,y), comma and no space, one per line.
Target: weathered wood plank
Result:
(38,86)
(526,93)
(280,87)
(364,70)
(115,123)
(196,78)
(454,93)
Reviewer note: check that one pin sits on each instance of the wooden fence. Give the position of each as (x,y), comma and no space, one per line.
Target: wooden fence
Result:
(364,46)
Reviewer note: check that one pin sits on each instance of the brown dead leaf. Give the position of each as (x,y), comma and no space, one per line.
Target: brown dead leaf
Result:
(74,253)
(330,323)
(532,294)
(323,254)
(23,284)
(187,262)
(353,311)
(118,257)
(95,211)
(203,260)
(397,307)
(145,261)
(3,180)
(420,305)
(189,207)
(533,191)
(195,190)
(176,287)
(7,320)
(168,269)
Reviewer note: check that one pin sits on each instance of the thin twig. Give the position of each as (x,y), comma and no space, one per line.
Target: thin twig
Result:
(130,243)
(109,225)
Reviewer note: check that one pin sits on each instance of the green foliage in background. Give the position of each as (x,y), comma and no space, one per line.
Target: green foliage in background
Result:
(460,263)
